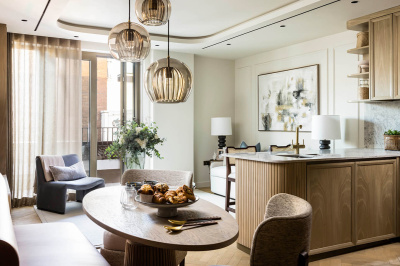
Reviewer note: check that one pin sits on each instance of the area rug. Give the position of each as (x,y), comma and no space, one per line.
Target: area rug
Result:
(74,214)
(94,233)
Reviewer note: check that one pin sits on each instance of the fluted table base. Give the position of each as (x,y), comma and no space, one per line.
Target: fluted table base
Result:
(139,255)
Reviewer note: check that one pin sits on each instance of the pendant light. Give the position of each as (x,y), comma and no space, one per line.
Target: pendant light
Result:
(128,41)
(168,80)
(153,12)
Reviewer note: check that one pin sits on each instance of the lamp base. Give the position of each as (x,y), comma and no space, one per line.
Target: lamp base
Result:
(324,144)
(221,142)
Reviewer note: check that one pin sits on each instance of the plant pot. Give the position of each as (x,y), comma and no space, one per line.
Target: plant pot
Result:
(392,142)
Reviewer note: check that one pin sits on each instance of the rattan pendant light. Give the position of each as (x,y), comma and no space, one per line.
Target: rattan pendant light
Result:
(168,80)
(128,41)
(153,12)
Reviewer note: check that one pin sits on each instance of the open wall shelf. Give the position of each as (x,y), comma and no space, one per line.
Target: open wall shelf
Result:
(359,75)
(362,50)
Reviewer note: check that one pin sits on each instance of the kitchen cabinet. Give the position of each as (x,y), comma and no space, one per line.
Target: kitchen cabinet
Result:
(396,44)
(381,58)
(353,203)
(375,200)
(329,191)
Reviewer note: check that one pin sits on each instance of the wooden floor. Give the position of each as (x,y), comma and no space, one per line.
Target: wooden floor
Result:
(383,255)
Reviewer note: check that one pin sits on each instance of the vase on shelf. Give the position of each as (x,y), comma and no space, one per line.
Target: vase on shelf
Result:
(135,161)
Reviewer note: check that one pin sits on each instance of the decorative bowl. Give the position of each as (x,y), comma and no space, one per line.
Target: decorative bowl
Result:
(167,209)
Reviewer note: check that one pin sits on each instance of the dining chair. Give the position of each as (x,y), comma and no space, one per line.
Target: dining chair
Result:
(231,173)
(113,249)
(276,148)
(283,238)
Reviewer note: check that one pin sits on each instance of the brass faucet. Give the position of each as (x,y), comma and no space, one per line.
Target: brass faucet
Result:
(298,146)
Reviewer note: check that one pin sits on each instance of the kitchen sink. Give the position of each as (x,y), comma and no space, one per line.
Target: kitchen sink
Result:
(297,155)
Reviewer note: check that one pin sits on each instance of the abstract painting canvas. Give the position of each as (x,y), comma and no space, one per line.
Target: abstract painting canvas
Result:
(287,99)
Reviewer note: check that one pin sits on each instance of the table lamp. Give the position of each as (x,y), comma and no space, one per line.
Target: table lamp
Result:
(325,128)
(221,127)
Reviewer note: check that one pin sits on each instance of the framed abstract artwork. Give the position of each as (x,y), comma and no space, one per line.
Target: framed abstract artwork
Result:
(288,98)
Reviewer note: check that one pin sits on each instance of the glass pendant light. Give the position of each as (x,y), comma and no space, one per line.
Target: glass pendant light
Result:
(168,80)
(153,12)
(129,42)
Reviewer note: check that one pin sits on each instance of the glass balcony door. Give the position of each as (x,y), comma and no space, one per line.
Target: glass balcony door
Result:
(113,101)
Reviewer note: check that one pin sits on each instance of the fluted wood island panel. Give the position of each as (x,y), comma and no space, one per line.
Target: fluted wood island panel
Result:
(256,183)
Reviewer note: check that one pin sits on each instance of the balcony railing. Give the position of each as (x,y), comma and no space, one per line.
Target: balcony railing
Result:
(105,136)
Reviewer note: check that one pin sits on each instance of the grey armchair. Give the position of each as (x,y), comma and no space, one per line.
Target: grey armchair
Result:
(283,238)
(113,249)
(51,196)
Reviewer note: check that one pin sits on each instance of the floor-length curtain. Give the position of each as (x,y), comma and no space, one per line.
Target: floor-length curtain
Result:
(46,106)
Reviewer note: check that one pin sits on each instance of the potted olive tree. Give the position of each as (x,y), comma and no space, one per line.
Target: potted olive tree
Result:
(392,140)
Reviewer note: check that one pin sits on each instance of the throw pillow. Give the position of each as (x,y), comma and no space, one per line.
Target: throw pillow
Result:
(73,172)
(244,145)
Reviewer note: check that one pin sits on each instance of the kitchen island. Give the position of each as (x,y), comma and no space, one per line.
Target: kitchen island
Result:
(353,193)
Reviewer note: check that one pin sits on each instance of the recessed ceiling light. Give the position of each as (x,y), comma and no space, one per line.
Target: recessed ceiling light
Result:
(282,26)
(228,44)
(354,2)
(24,20)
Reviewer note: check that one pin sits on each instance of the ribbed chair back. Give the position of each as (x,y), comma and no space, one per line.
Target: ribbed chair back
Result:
(283,238)
(170,177)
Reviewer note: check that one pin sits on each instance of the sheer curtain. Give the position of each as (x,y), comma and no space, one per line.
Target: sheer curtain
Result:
(46,106)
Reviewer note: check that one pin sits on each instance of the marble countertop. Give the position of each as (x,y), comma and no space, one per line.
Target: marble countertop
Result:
(316,155)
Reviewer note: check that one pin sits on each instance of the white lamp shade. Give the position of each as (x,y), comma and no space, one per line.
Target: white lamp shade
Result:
(325,127)
(221,126)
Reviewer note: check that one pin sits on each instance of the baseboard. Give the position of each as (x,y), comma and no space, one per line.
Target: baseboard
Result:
(203,184)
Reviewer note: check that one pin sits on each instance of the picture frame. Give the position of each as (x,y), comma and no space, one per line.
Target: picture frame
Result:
(288,98)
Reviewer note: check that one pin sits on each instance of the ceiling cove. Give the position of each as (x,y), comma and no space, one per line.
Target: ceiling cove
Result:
(289,7)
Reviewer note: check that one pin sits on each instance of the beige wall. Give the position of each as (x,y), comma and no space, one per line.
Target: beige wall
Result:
(215,97)
(175,122)
(335,89)
(3,100)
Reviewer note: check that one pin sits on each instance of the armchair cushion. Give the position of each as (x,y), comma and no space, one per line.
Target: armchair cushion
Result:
(83,183)
(220,171)
(68,173)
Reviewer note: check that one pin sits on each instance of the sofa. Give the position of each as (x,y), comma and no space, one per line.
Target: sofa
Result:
(218,179)
(49,244)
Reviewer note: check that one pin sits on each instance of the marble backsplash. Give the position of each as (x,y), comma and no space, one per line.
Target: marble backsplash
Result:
(380,117)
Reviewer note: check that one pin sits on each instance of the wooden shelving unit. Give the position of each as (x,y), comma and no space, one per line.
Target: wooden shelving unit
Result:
(359,75)
(362,50)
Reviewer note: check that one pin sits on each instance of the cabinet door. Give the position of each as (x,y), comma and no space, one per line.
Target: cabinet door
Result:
(375,196)
(329,191)
(381,59)
(396,50)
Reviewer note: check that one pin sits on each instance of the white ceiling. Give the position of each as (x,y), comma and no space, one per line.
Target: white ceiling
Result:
(188,19)
(195,24)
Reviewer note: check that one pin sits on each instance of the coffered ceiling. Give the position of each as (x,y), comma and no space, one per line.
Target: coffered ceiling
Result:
(217,28)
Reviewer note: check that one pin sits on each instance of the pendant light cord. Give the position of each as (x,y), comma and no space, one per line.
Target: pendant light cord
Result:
(168,47)
(129,19)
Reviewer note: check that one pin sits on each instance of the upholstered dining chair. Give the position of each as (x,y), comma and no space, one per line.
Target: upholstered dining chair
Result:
(113,249)
(231,173)
(283,238)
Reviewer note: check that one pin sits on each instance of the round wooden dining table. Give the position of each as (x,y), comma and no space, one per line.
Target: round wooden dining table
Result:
(145,233)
